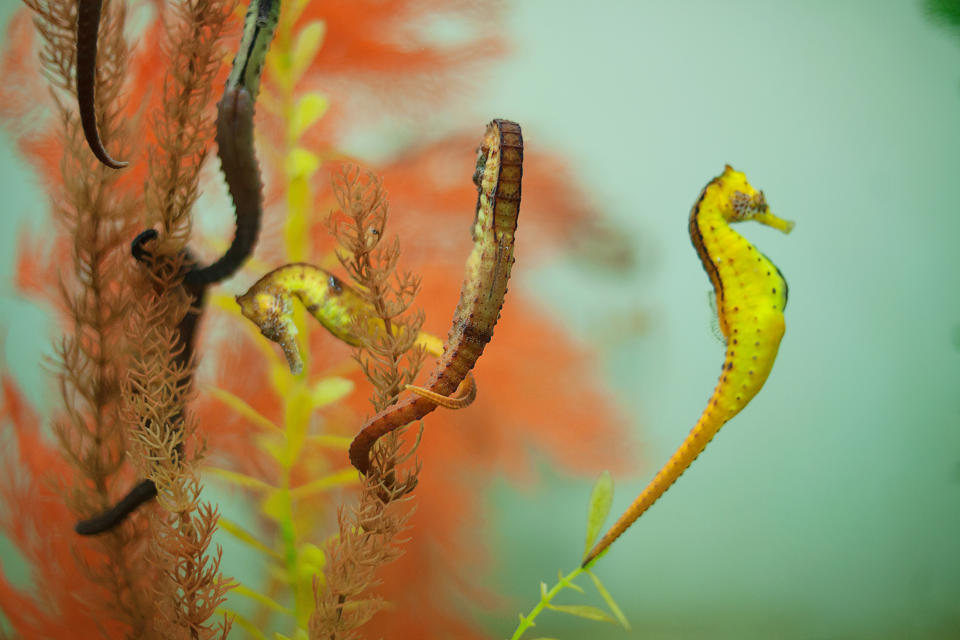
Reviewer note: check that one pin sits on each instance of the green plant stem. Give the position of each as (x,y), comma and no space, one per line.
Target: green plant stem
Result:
(289,536)
(527,621)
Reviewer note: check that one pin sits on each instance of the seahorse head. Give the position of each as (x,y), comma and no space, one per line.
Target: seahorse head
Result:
(272,312)
(746,203)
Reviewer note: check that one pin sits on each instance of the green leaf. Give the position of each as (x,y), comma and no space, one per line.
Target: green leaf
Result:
(340,443)
(611,603)
(310,559)
(266,601)
(329,390)
(276,507)
(302,162)
(600,500)
(251,628)
(239,479)
(310,108)
(306,46)
(345,477)
(246,537)
(583,611)
(276,448)
(568,582)
(241,407)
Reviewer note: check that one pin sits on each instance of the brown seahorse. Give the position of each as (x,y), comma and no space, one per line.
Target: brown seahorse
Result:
(498,176)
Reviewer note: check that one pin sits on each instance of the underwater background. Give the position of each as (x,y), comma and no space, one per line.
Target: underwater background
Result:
(830,507)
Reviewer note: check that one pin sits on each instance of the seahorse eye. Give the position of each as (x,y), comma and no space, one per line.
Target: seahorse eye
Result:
(760,202)
(334,286)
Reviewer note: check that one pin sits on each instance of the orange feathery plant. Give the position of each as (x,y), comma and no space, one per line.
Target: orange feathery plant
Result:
(333,66)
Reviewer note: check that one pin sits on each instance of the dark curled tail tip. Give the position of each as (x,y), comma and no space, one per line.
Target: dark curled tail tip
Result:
(88,26)
(137,249)
(145,491)
(360,453)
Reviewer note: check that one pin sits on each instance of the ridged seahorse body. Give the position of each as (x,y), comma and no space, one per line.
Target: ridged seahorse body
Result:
(751,295)
(498,176)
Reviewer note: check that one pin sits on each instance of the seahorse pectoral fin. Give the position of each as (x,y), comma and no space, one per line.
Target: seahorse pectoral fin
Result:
(463,397)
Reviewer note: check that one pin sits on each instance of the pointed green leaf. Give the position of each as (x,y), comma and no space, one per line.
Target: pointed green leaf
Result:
(611,603)
(244,623)
(239,405)
(340,443)
(246,537)
(568,581)
(345,477)
(600,500)
(302,163)
(583,611)
(329,390)
(310,108)
(311,557)
(430,343)
(266,601)
(276,448)
(275,507)
(239,479)
(306,46)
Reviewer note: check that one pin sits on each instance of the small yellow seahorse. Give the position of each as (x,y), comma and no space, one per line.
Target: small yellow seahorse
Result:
(751,295)
(334,303)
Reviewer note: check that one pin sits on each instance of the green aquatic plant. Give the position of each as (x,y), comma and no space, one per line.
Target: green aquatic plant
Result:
(140,402)
(601,498)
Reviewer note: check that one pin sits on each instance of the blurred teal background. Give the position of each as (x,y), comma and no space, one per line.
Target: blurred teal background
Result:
(830,508)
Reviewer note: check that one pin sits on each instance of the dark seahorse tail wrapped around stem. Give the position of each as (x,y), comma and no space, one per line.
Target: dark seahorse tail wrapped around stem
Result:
(238,157)
(88,28)
(751,296)
(498,179)
(242,173)
(144,491)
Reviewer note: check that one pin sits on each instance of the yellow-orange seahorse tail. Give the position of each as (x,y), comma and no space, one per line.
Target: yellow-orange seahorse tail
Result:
(751,295)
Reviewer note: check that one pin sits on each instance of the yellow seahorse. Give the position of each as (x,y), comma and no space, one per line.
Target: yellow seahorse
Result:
(751,295)
(335,305)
